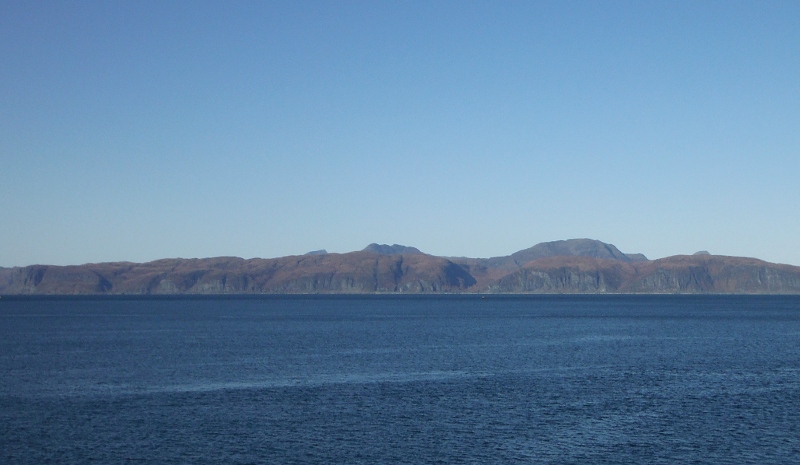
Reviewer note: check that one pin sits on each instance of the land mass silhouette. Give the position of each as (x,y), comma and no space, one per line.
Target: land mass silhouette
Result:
(576,266)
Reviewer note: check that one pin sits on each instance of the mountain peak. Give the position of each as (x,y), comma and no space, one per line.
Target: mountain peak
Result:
(575,247)
(394,249)
(318,252)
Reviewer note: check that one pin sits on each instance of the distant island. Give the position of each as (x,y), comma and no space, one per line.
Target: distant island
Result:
(576,266)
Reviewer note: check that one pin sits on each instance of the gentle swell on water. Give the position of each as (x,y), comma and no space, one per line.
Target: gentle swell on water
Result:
(626,379)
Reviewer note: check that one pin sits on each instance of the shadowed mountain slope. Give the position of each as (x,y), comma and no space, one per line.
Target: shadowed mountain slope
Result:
(570,274)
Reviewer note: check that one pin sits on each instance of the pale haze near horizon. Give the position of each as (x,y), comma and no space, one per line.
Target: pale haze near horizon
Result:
(143,130)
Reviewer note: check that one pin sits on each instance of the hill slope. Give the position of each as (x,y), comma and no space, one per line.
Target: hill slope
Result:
(574,266)
(356,272)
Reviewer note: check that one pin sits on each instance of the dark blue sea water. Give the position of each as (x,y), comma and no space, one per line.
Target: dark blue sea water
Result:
(669,379)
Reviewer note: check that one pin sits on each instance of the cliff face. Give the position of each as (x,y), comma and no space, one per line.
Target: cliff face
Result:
(680,274)
(566,275)
(578,266)
(6,275)
(714,274)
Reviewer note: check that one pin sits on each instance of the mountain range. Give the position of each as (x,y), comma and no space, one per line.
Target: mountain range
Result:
(572,266)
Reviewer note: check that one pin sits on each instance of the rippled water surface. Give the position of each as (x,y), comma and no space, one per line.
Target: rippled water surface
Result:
(667,379)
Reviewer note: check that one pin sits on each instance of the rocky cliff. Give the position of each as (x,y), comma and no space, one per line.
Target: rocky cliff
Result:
(695,274)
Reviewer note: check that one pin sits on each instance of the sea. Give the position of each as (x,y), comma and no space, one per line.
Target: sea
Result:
(400,379)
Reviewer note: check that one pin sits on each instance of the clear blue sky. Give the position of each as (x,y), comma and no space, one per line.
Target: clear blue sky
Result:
(149,129)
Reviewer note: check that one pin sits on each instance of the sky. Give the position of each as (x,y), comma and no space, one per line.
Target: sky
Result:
(132,131)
